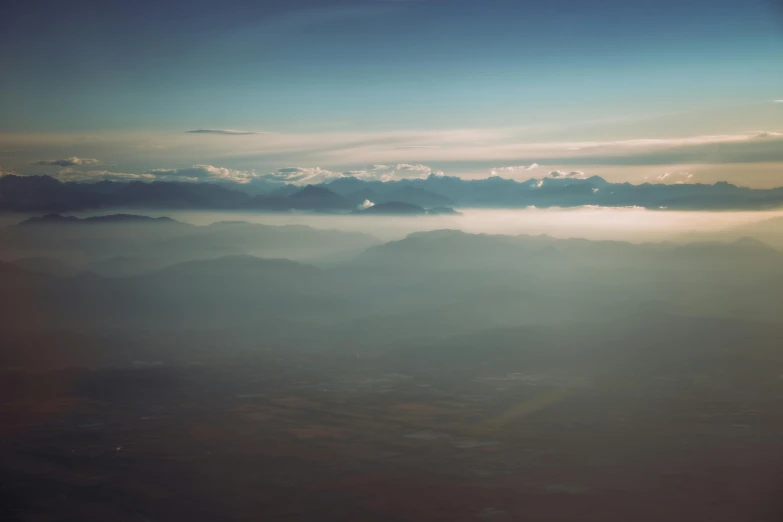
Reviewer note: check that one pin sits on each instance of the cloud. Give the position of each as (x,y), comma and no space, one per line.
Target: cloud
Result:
(68,162)
(416,168)
(6,172)
(302,175)
(314,175)
(744,157)
(367,204)
(559,174)
(203,173)
(699,149)
(768,135)
(406,171)
(69,174)
(497,171)
(224,132)
(777,101)
(394,172)
(473,152)
(678,178)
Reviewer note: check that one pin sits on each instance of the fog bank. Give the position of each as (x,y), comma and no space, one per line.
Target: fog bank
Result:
(626,224)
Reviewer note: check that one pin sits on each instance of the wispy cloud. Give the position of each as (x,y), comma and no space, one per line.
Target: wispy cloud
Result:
(678,178)
(71,174)
(499,171)
(225,132)
(467,153)
(302,175)
(769,134)
(68,162)
(203,173)
(394,172)
(575,174)
(314,175)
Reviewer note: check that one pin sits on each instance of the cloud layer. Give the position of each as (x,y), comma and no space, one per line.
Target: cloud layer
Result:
(753,157)
(203,173)
(512,170)
(68,162)
(314,175)
(676,177)
(225,132)
(574,174)
(302,175)
(70,174)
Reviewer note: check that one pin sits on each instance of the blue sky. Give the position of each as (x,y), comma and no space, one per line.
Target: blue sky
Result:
(410,74)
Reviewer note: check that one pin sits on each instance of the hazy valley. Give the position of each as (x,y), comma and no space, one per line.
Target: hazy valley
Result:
(331,364)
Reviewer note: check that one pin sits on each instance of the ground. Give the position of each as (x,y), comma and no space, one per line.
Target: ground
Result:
(317,437)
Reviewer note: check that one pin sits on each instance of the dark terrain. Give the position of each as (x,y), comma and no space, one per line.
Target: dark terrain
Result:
(446,376)
(200,428)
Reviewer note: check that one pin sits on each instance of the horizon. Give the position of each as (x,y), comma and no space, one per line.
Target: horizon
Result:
(436,193)
(346,176)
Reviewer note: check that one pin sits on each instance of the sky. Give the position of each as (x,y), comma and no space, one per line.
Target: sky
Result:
(663,91)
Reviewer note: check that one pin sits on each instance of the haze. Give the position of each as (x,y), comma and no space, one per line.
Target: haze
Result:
(626,224)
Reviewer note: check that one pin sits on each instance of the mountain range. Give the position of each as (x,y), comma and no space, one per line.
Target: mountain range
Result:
(126,244)
(46,194)
(418,289)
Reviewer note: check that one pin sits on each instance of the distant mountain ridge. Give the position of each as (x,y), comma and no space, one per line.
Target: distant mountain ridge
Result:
(46,194)
(455,249)
(59,219)
(126,244)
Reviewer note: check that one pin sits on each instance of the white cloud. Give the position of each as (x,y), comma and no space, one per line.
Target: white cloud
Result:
(303,175)
(497,171)
(559,174)
(315,175)
(741,157)
(484,148)
(69,174)
(676,177)
(224,132)
(394,172)
(777,101)
(367,204)
(68,162)
(415,168)
(574,174)
(203,173)
(769,134)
